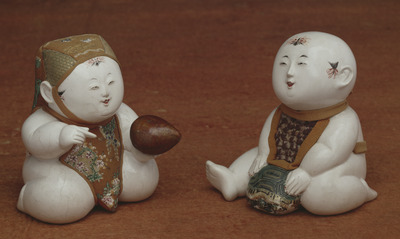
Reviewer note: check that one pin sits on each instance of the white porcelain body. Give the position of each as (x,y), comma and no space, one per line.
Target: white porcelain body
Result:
(330,178)
(55,193)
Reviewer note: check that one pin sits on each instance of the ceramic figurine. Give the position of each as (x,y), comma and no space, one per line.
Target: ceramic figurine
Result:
(311,149)
(84,146)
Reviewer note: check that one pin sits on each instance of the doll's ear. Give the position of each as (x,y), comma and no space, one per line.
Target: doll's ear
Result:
(345,77)
(46,92)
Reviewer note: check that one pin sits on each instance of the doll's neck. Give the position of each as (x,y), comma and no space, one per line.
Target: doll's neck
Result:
(312,115)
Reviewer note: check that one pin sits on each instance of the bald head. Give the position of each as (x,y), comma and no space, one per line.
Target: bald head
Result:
(313,70)
(328,45)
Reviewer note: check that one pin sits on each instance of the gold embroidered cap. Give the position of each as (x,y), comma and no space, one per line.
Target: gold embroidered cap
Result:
(56,59)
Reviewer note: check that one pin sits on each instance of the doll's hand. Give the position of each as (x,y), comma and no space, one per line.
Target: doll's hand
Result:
(72,134)
(297,182)
(258,163)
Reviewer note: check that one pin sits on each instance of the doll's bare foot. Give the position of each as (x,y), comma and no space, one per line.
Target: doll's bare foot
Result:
(222,179)
(20,204)
(371,194)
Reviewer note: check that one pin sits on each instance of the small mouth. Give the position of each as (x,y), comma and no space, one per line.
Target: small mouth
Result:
(290,84)
(106,101)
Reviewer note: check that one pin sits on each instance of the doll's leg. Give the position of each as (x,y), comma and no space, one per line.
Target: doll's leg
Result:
(328,196)
(232,182)
(62,199)
(140,179)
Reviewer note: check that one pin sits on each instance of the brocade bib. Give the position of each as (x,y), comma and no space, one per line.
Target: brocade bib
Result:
(290,139)
(293,133)
(99,161)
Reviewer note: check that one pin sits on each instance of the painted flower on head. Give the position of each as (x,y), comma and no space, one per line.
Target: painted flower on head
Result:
(298,41)
(332,72)
(96,61)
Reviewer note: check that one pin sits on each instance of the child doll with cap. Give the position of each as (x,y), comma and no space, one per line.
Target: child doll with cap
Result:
(311,149)
(84,146)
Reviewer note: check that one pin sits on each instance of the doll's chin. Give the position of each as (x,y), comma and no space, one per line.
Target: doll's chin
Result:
(109,111)
(317,106)
(299,105)
(98,118)
(307,103)
(107,115)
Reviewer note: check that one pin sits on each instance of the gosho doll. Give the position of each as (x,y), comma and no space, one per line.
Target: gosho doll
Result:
(84,146)
(311,149)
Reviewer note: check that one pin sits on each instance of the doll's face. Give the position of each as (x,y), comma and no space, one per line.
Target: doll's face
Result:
(94,90)
(304,74)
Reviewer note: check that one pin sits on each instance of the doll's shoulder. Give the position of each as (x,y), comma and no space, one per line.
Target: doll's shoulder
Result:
(270,117)
(347,116)
(37,119)
(346,123)
(126,115)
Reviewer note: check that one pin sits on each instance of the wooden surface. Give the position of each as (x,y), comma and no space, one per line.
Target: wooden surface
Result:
(205,66)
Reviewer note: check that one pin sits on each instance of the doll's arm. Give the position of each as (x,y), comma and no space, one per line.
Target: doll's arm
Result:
(47,138)
(332,149)
(335,145)
(263,147)
(126,117)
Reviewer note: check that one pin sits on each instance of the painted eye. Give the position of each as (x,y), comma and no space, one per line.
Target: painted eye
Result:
(301,63)
(283,64)
(110,80)
(95,87)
